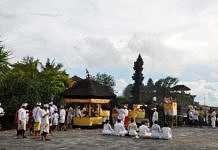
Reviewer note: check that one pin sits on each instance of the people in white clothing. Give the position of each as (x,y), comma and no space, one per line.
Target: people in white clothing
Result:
(213,118)
(121,114)
(144,130)
(107,130)
(22,119)
(62,115)
(78,112)
(37,117)
(119,128)
(132,128)
(45,122)
(166,133)
(2,113)
(70,115)
(155,130)
(195,116)
(55,118)
(155,115)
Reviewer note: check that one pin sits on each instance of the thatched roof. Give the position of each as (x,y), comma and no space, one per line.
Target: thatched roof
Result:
(180,88)
(88,88)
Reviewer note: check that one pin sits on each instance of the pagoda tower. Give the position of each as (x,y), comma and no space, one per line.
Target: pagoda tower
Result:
(138,79)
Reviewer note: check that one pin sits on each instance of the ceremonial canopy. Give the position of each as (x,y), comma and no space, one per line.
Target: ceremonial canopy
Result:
(88,91)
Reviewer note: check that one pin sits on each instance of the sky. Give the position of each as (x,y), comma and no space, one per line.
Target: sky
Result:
(174,37)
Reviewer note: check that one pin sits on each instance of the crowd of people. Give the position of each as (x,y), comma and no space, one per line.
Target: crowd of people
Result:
(199,117)
(122,127)
(41,120)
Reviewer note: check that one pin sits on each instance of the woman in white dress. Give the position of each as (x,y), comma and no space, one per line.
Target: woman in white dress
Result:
(119,128)
(155,130)
(132,128)
(107,129)
(166,133)
(144,130)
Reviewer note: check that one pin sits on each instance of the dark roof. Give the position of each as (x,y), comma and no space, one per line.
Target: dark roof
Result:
(88,88)
(76,78)
(180,88)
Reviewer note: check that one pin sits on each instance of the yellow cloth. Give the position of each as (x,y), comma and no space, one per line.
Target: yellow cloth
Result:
(37,126)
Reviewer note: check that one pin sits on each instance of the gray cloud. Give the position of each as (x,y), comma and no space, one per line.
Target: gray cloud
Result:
(174,37)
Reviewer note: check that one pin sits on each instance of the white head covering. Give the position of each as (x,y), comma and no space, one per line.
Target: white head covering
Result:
(38,104)
(46,105)
(51,103)
(155,108)
(0,104)
(24,105)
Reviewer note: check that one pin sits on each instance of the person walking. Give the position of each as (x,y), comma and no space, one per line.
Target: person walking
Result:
(37,116)
(62,118)
(22,119)
(45,122)
(213,118)
(201,117)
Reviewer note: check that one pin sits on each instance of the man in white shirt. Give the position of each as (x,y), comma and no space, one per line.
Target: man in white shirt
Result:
(22,119)
(155,115)
(37,116)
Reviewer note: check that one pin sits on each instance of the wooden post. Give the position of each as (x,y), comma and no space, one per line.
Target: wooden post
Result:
(89,110)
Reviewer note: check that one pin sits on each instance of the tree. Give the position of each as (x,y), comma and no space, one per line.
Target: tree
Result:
(121,100)
(150,83)
(4,61)
(164,85)
(53,80)
(105,79)
(30,81)
(127,92)
(138,78)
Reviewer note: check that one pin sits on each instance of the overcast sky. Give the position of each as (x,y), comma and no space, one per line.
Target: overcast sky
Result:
(174,37)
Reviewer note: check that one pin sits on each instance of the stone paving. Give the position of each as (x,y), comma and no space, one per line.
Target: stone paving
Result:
(185,138)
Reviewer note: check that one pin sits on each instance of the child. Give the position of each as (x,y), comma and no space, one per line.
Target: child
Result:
(155,130)
(107,130)
(144,130)
(119,128)
(132,128)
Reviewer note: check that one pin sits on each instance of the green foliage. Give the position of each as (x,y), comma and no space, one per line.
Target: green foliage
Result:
(4,64)
(30,81)
(121,100)
(127,92)
(167,82)
(105,79)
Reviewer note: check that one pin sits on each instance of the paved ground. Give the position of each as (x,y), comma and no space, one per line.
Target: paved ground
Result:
(185,138)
